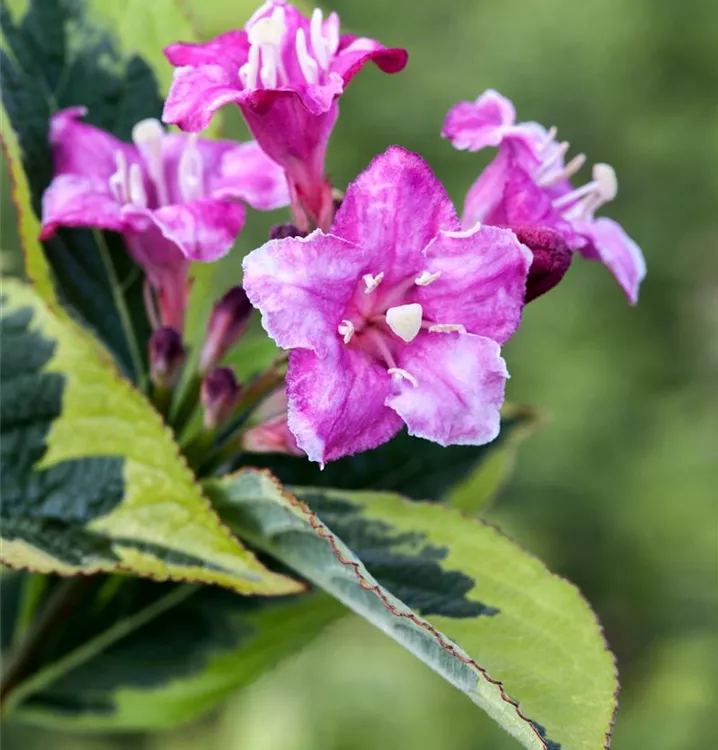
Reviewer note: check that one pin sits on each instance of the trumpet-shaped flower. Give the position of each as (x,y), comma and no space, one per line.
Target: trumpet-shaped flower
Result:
(396,316)
(528,185)
(286,72)
(173,197)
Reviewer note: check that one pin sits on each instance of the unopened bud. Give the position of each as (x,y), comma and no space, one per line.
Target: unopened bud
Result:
(167,354)
(551,258)
(220,393)
(228,321)
(282,231)
(271,434)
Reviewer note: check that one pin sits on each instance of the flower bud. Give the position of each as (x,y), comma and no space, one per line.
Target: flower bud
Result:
(271,434)
(228,321)
(167,354)
(282,231)
(551,258)
(220,393)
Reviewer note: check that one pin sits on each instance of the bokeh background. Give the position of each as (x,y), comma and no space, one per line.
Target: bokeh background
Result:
(619,492)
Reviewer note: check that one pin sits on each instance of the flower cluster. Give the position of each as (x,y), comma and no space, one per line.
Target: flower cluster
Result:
(392,308)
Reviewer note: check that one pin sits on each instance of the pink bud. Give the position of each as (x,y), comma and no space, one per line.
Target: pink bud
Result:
(551,260)
(271,434)
(167,354)
(228,321)
(220,393)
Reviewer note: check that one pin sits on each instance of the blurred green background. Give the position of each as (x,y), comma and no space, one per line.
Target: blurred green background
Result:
(619,492)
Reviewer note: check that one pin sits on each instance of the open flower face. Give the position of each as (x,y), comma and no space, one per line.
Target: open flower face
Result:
(174,198)
(528,185)
(396,316)
(286,72)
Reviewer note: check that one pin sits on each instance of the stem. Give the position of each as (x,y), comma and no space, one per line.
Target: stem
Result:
(60,601)
(187,404)
(121,305)
(100,643)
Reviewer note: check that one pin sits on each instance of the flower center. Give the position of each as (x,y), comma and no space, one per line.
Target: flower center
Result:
(126,183)
(382,321)
(583,201)
(265,67)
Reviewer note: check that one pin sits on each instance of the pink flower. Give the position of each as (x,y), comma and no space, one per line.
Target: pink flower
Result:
(173,197)
(285,72)
(528,184)
(396,316)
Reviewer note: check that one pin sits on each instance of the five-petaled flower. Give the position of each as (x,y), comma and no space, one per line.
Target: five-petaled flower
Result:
(285,72)
(174,198)
(528,185)
(395,316)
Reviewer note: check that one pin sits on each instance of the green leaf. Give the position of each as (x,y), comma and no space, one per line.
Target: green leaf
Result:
(92,480)
(145,656)
(487,616)
(107,57)
(414,467)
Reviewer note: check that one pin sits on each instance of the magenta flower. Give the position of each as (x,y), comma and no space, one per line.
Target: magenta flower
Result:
(396,316)
(528,184)
(173,197)
(285,72)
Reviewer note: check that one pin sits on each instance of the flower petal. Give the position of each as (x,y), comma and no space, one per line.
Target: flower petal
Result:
(230,50)
(482,284)
(485,199)
(394,209)
(354,53)
(476,125)
(197,93)
(78,201)
(203,230)
(82,149)
(302,286)
(336,404)
(246,172)
(460,390)
(615,249)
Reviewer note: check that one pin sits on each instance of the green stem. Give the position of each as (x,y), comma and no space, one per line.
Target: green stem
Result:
(122,310)
(33,588)
(59,602)
(97,645)
(187,404)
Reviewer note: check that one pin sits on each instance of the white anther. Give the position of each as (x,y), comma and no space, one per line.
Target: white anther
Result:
(405,320)
(346,330)
(148,132)
(118,180)
(250,70)
(268,30)
(307,63)
(425,278)
(605,176)
(137,194)
(191,171)
(319,44)
(447,328)
(398,375)
(372,282)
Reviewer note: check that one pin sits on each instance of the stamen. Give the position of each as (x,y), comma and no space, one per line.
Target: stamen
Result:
(548,138)
(137,194)
(447,328)
(566,173)
(118,180)
(319,45)
(308,64)
(372,282)
(346,330)
(147,135)
(191,171)
(331,34)
(425,278)
(398,375)
(605,176)
(551,162)
(268,71)
(574,195)
(249,71)
(405,320)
